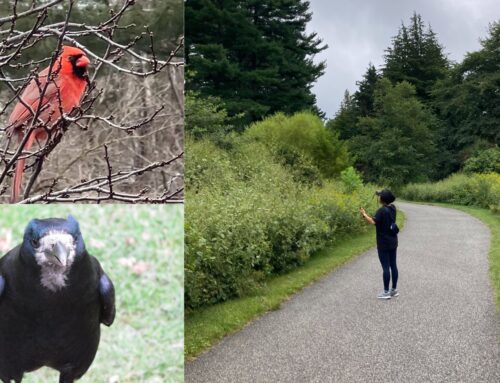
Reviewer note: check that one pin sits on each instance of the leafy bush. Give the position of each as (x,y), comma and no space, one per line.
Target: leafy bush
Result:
(482,190)
(486,161)
(205,116)
(304,134)
(351,180)
(209,166)
(247,217)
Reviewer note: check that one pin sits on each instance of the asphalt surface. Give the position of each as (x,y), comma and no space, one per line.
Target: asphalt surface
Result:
(442,328)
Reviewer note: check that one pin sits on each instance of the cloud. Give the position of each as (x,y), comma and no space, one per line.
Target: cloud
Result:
(358,31)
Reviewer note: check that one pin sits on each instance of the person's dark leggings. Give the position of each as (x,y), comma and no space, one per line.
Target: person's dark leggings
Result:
(388,261)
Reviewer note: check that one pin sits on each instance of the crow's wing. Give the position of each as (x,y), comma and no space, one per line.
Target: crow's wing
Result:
(6,267)
(106,294)
(107,297)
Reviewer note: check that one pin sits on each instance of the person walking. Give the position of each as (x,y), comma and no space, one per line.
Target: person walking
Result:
(387,240)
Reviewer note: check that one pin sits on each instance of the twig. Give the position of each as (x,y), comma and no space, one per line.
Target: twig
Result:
(15,48)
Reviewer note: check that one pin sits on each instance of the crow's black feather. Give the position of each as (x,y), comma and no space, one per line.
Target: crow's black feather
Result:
(107,295)
(57,328)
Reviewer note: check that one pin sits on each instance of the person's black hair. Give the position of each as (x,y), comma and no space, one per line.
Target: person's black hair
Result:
(386,196)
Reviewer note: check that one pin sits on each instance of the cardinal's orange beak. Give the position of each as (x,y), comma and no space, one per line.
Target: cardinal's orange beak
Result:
(82,62)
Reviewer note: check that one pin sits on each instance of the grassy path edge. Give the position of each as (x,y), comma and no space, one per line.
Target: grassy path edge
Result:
(204,327)
(492,220)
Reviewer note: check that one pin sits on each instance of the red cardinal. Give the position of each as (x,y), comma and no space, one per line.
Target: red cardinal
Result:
(65,90)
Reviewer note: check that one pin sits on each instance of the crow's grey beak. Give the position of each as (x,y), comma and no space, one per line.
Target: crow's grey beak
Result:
(60,253)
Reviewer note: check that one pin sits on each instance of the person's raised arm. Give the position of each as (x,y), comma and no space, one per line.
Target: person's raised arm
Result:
(366,217)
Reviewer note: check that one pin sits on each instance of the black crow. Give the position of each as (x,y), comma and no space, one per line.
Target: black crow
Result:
(53,297)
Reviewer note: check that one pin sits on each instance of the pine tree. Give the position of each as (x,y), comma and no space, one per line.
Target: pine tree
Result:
(345,121)
(396,145)
(254,55)
(361,104)
(417,57)
(468,101)
(364,96)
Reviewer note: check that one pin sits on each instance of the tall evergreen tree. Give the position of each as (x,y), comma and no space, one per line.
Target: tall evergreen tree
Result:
(345,121)
(255,55)
(361,104)
(364,96)
(468,101)
(417,57)
(396,145)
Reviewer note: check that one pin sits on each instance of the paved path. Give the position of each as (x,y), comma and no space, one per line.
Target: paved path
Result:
(443,327)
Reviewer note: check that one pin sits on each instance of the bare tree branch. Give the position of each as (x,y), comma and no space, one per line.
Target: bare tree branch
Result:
(99,184)
(33,10)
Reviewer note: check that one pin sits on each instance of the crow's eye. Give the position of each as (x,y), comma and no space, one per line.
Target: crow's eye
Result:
(35,242)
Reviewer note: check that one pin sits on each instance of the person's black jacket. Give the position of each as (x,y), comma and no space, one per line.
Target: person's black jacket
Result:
(384,217)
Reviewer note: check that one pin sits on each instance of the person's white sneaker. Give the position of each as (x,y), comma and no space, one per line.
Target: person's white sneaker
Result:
(394,292)
(384,295)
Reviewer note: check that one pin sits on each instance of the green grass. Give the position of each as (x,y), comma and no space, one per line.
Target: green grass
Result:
(492,220)
(145,344)
(206,326)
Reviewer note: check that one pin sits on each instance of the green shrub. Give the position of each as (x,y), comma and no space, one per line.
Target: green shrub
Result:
(301,166)
(305,134)
(486,161)
(208,164)
(247,217)
(351,180)
(482,190)
(205,116)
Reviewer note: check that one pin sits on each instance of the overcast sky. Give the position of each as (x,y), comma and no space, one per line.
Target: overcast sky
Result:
(358,31)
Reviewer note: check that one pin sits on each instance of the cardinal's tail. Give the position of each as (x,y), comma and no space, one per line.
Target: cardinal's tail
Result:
(18,174)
